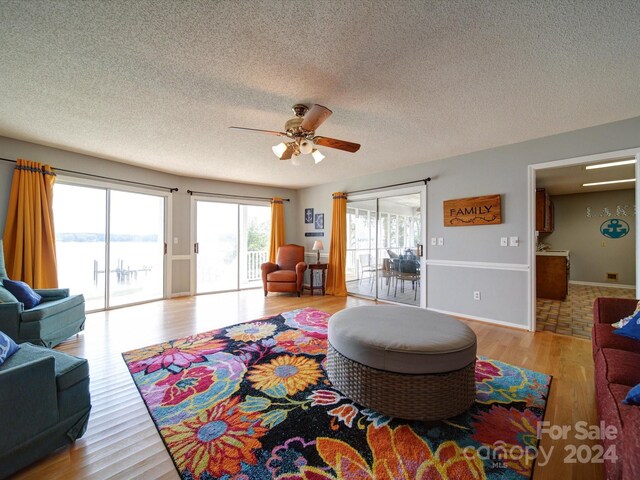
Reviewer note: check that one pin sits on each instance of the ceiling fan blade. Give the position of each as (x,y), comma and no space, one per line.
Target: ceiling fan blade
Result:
(335,143)
(315,117)
(270,132)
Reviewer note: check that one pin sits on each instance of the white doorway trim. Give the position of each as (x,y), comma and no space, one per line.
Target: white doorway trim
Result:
(532,174)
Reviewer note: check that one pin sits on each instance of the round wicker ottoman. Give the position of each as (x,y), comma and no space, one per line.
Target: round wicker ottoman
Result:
(403,362)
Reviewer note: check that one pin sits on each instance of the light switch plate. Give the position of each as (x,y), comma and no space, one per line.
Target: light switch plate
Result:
(503,241)
(513,241)
(433,241)
(440,241)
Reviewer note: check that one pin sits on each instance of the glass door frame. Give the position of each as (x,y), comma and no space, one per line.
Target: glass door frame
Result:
(108,187)
(194,238)
(380,194)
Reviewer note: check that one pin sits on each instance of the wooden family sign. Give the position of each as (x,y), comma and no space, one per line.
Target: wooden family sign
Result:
(463,212)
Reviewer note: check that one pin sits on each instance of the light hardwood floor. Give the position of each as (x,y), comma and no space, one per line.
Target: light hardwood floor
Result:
(122,442)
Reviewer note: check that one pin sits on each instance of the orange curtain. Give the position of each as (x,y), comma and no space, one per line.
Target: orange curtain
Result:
(336,281)
(29,236)
(277,228)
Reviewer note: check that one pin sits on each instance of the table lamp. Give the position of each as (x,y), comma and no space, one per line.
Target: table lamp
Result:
(317,246)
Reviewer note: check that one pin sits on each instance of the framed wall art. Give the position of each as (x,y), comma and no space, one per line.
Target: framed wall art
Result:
(308,215)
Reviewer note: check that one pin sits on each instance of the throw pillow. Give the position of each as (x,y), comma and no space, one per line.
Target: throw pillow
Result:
(633,397)
(22,292)
(631,329)
(7,347)
(6,296)
(621,323)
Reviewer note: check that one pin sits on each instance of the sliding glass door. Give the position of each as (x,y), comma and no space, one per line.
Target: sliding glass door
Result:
(98,227)
(232,241)
(136,248)
(80,220)
(384,247)
(217,250)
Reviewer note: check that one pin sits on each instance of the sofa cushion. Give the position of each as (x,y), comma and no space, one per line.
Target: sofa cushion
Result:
(6,296)
(612,411)
(603,337)
(610,310)
(7,347)
(69,369)
(620,366)
(631,445)
(22,292)
(282,276)
(47,309)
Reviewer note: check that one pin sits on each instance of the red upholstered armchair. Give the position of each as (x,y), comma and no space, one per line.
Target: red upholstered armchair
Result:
(287,273)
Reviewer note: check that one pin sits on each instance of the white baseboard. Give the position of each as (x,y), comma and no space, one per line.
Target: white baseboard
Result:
(481,319)
(180,294)
(596,284)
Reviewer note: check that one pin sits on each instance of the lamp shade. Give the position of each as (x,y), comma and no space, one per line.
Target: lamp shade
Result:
(317,156)
(279,149)
(305,147)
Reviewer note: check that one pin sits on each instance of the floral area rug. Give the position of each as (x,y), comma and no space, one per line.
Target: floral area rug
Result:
(252,401)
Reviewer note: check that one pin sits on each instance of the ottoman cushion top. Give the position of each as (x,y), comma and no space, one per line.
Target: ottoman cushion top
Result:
(402,339)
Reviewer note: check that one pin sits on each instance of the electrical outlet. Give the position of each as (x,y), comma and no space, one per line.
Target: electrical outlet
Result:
(476,295)
(513,241)
(440,241)
(503,241)
(434,241)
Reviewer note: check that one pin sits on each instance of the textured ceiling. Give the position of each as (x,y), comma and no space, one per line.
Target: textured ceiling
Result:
(157,83)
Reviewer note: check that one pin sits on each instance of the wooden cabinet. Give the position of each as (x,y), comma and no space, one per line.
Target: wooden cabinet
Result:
(552,276)
(544,211)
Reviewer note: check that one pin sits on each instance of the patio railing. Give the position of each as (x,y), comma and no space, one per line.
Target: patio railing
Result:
(254,260)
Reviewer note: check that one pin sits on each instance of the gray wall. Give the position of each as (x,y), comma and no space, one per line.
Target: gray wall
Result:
(500,273)
(592,254)
(181,217)
(502,170)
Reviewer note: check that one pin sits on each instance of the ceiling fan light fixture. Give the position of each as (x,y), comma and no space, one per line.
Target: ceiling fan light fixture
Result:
(295,161)
(305,147)
(317,156)
(279,149)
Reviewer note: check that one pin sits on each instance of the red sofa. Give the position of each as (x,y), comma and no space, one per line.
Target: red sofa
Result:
(617,370)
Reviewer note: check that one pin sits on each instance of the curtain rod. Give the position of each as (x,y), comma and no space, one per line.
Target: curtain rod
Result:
(425,180)
(171,189)
(227,195)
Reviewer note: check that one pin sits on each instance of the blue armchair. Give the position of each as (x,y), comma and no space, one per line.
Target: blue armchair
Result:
(44,404)
(55,319)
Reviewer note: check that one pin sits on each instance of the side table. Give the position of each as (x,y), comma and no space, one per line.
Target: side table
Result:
(313,267)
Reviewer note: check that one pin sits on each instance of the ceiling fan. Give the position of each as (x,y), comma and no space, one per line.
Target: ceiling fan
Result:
(301,130)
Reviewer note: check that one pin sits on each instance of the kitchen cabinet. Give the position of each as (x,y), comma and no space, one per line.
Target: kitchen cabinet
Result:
(552,275)
(544,211)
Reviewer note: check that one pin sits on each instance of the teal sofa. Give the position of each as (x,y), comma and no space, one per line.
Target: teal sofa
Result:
(44,404)
(56,318)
